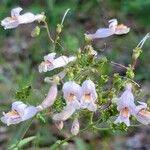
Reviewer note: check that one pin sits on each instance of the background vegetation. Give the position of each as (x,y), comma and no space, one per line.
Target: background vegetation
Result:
(20,54)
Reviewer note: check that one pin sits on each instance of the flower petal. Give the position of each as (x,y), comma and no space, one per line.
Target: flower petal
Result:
(19,106)
(63,61)
(71,88)
(113,23)
(26,18)
(92,107)
(143,116)
(121,119)
(65,114)
(29,112)
(8,120)
(50,57)
(9,23)
(16,12)
(101,33)
(50,98)
(121,29)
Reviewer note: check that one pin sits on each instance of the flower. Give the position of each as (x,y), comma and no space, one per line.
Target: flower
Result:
(72,94)
(75,127)
(142,115)
(50,62)
(16,18)
(19,112)
(89,96)
(113,28)
(126,106)
(50,98)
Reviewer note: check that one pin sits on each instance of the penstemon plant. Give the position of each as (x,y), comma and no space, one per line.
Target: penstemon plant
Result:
(105,102)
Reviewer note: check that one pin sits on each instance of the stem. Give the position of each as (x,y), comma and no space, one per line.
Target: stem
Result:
(117,64)
(48,32)
(58,33)
(59,143)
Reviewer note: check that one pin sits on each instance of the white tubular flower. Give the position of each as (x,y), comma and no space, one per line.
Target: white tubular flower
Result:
(113,28)
(72,94)
(19,112)
(16,18)
(75,127)
(65,114)
(89,96)
(50,62)
(50,98)
(142,115)
(126,106)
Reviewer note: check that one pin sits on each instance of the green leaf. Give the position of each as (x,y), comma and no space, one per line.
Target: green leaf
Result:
(23,93)
(22,143)
(19,134)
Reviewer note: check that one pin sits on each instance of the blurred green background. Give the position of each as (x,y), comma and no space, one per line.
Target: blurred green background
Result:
(20,55)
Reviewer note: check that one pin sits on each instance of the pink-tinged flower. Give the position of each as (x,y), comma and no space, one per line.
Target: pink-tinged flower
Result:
(89,96)
(75,127)
(126,106)
(19,112)
(113,28)
(50,98)
(72,94)
(16,18)
(50,62)
(142,115)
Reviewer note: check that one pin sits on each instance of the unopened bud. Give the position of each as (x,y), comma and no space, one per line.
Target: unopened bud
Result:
(59,124)
(59,28)
(35,32)
(75,127)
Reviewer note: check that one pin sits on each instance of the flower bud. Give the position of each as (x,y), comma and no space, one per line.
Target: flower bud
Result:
(35,32)
(59,28)
(59,124)
(75,127)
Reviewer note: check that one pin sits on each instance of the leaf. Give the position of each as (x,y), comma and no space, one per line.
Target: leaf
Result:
(23,93)
(22,143)
(19,134)
(41,118)
(80,145)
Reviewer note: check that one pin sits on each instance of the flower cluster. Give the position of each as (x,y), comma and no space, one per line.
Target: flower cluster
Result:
(76,96)
(127,107)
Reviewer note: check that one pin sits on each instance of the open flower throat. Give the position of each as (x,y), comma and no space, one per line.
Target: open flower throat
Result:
(47,62)
(13,113)
(124,112)
(144,112)
(12,18)
(71,97)
(87,96)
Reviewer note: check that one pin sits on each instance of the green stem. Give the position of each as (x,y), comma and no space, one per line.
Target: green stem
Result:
(48,32)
